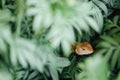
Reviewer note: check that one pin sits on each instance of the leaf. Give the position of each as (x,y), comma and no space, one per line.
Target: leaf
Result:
(3,46)
(5,33)
(5,74)
(64,20)
(92,23)
(5,16)
(23,51)
(112,41)
(66,47)
(104,44)
(117,38)
(108,54)
(19,74)
(62,62)
(13,56)
(65,40)
(102,6)
(32,75)
(101,51)
(37,23)
(98,17)
(94,65)
(53,72)
(118,76)
(115,58)
(116,19)
(82,25)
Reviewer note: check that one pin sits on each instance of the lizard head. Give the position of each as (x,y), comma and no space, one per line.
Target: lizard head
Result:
(84,48)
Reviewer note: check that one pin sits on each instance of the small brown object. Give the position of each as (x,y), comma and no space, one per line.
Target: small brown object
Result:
(82,48)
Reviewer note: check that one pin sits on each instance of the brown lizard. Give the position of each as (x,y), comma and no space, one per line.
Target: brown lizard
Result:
(82,48)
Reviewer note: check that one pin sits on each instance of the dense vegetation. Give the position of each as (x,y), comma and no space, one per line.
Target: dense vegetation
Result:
(36,38)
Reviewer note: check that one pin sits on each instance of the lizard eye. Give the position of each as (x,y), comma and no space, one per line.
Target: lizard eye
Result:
(83,48)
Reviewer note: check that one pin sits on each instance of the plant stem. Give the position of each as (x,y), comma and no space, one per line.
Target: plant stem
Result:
(19,15)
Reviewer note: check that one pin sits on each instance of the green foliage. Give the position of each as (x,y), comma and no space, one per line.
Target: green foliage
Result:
(94,68)
(118,77)
(5,72)
(62,17)
(113,3)
(36,36)
(110,41)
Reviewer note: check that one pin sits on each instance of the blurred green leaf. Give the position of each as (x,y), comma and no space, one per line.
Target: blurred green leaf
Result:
(115,58)
(92,23)
(104,44)
(62,62)
(53,72)
(98,17)
(118,77)
(95,65)
(5,73)
(3,47)
(95,69)
(22,51)
(6,16)
(101,5)
(66,39)
(116,19)
(110,40)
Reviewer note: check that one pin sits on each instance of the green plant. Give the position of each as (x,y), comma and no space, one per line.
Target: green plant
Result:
(36,38)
